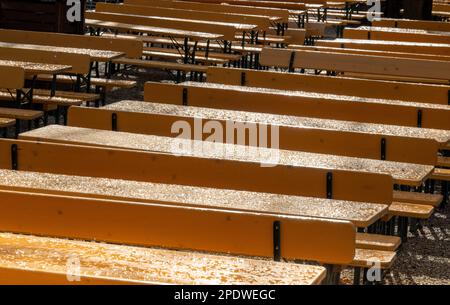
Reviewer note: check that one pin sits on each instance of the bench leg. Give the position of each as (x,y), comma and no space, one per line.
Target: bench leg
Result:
(333,275)
(357,276)
(17,131)
(444,192)
(4,132)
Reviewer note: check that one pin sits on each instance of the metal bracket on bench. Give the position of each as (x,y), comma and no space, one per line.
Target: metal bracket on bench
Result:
(448,97)
(329,185)
(276,241)
(383,149)
(243,80)
(419,118)
(185,96)
(114,122)
(291,62)
(14,162)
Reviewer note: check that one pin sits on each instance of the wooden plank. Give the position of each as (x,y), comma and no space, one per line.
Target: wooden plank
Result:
(413,210)
(131,47)
(411,145)
(175,227)
(227,30)
(413,24)
(425,93)
(32,68)
(432,69)
(384,45)
(42,260)
(260,21)
(361,214)
(95,55)
(380,33)
(210,7)
(150,30)
(388,54)
(418,198)
(169,168)
(79,63)
(300,103)
(6,122)
(402,173)
(12,77)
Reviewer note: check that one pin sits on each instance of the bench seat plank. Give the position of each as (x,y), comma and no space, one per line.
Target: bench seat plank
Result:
(363,258)
(360,213)
(418,198)
(61,99)
(96,81)
(402,173)
(160,65)
(441,174)
(177,227)
(405,209)
(27,259)
(20,114)
(6,122)
(36,68)
(443,161)
(301,103)
(377,242)
(129,106)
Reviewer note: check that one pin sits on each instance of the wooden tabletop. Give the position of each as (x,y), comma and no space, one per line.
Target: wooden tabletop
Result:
(361,214)
(28,259)
(402,173)
(36,68)
(96,55)
(441,136)
(152,30)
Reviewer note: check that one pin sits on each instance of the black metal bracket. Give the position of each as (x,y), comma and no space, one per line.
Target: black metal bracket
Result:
(243,80)
(114,122)
(383,149)
(291,62)
(448,97)
(369,35)
(185,96)
(14,161)
(329,185)
(419,118)
(276,241)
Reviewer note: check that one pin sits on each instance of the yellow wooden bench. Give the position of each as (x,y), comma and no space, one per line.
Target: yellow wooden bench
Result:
(44,260)
(300,103)
(369,64)
(391,46)
(413,24)
(425,93)
(403,144)
(4,124)
(395,34)
(147,215)
(295,133)
(282,14)
(168,168)
(262,22)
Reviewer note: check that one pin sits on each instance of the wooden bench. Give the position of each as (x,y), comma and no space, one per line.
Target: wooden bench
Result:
(388,54)
(369,64)
(401,144)
(361,214)
(391,46)
(131,47)
(382,33)
(4,124)
(425,93)
(413,24)
(14,78)
(300,103)
(402,173)
(262,22)
(283,14)
(227,30)
(221,223)
(168,168)
(42,260)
